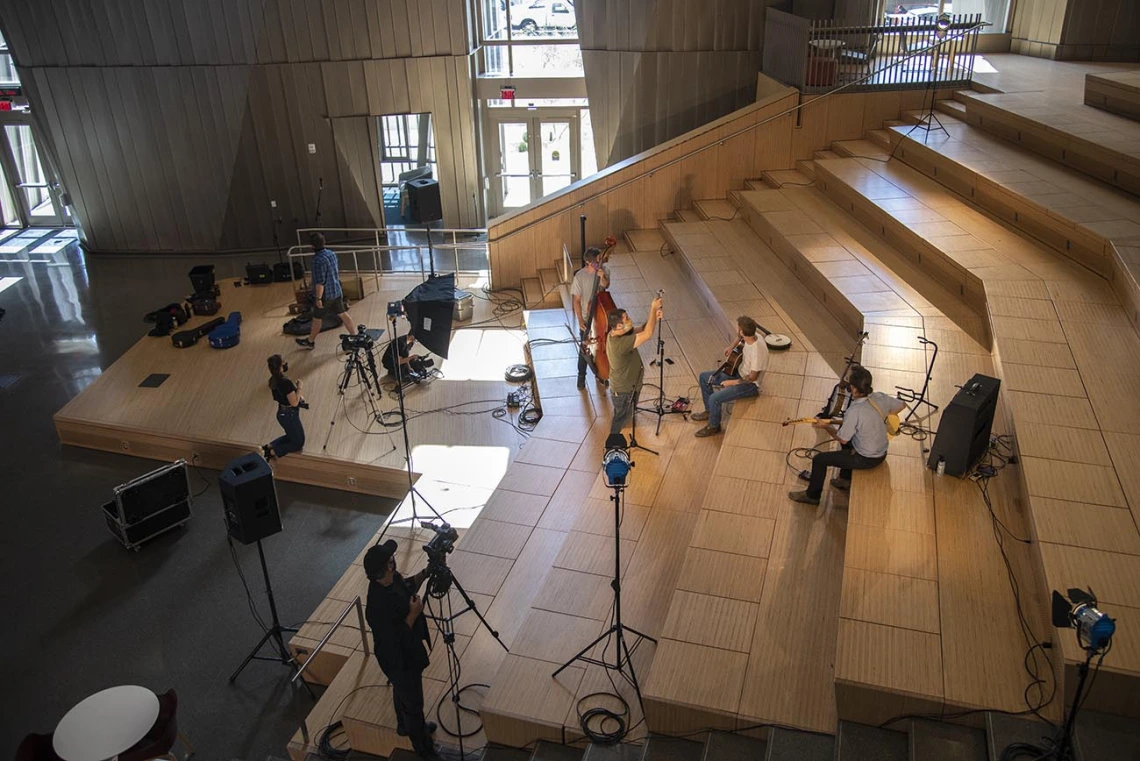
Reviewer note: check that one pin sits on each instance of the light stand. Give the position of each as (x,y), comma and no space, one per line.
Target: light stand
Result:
(440,582)
(909,396)
(616,463)
(398,370)
(928,122)
(273,633)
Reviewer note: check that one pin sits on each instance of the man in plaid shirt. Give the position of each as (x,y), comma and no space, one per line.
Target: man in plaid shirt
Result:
(328,298)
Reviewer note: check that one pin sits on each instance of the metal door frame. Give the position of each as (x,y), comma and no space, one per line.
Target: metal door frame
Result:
(533,120)
(59,217)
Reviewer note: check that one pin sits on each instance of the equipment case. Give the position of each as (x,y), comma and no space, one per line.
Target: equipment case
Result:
(147,506)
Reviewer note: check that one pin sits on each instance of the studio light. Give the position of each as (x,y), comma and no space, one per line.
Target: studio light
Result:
(1078,611)
(615,462)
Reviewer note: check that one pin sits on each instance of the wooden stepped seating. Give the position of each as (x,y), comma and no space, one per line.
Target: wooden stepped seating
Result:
(735,624)
(643,240)
(1082,218)
(688,215)
(1118,93)
(859,149)
(1071,370)
(880,137)
(715,208)
(1103,145)
(756,184)
(952,107)
(820,155)
(778,178)
(902,590)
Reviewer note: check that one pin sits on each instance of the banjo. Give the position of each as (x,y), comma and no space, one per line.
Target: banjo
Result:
(775,341)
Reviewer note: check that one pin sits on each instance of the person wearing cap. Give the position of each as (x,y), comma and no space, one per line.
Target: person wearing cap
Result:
(395,614)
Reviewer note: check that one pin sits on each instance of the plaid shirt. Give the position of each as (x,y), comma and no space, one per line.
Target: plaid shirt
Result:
(326,273)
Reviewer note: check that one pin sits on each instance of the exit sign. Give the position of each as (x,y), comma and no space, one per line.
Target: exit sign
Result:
(5,105)
(11,91)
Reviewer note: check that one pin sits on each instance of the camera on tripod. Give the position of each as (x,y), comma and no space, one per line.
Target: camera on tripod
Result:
(441,544)
(363,340)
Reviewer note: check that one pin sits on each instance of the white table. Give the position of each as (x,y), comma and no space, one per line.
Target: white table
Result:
(831,47)
(105,724)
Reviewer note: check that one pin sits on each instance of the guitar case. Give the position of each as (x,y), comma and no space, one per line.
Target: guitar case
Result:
(228,334)
(258,274)
(187,338)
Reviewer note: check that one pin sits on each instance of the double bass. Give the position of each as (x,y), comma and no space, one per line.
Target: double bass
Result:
(597,324)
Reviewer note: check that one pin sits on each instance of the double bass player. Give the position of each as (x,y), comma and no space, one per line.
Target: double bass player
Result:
(588,281)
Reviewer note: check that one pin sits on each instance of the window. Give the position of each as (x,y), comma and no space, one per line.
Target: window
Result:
(407,152)
(8,74)
(530,38)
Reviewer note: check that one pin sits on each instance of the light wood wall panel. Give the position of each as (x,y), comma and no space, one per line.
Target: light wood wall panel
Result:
(658,68)
(175,123)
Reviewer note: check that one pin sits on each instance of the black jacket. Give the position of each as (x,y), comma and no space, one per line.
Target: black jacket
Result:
(399,648)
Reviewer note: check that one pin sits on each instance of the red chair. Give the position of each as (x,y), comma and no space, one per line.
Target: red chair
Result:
(36,748)
(160,740)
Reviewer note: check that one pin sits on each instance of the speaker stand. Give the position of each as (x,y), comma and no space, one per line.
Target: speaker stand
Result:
(273,633)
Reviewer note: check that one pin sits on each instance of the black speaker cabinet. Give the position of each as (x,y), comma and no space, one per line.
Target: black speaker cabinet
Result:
(964,431)
(423,201)
(249,499)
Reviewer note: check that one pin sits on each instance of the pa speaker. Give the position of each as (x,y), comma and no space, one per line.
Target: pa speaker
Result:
(964,431)
(249,499)
(423,201)
(430,308)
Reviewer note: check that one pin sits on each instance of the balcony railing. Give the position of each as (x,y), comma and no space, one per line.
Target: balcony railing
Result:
(817,56)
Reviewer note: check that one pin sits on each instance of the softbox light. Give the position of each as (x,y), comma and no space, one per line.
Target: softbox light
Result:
(430,307)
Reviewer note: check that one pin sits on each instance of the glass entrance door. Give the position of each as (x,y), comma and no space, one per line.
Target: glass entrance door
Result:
(34,191)
(534,155)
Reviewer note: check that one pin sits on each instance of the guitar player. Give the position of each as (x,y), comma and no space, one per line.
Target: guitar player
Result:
(862,436)
(594,277)
(737,378)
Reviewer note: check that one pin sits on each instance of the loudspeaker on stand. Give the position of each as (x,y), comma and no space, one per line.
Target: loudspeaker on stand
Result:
(249,498)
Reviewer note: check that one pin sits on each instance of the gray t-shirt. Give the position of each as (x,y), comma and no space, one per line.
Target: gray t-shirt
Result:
(864,427)
(583,287)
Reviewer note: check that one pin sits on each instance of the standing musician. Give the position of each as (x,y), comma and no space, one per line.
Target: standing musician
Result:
(287,394)
(732,380)
(627,371)
(862,436)
(594,277)
(395,614)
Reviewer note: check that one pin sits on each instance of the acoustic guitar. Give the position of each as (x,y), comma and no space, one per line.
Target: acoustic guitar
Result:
(735,357)
(892,422)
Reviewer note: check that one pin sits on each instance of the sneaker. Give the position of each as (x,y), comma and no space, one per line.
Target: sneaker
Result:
(306,343)
(804,475)
(699,416)
(581,383)
(841,483)
(802,496)
(708,430)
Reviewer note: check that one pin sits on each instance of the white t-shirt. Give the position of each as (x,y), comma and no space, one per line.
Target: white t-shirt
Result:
(755,359)
(583,284)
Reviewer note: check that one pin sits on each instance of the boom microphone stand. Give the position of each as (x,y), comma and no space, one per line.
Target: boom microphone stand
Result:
(659,408)
(623,654)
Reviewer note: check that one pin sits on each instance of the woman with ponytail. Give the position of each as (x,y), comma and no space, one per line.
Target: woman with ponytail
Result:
(287,394)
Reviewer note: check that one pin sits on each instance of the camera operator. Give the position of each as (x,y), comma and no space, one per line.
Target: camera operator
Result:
(400,350)
(287,394)
(395,614)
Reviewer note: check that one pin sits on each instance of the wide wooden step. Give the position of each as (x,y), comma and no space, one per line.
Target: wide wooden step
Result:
(549,280)
(717,209)
(756,184)
(532,292)
(781,177)
(806,167)
(688,215)
(825,155)
(880,137)
(1116,92)
(644,240)
(860,149)
(952,107)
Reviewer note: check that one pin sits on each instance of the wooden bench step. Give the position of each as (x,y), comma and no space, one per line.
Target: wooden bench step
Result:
(825,155)
(953,108)
(781,177)
(880,137)
(806,167)
(757,185)
(860,149)
(532,292)
(644,240)
(718,209)
(688,215)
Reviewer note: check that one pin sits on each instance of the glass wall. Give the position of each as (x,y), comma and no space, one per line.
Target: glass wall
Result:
(994,12)
(530,38)
(7,68)
(407,152)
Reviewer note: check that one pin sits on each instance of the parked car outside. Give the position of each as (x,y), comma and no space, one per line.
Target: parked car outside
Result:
(529,18)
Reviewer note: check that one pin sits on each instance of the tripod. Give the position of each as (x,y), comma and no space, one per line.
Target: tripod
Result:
(360,363)
(440,582)
(929,121)
(273,633)
(623,653)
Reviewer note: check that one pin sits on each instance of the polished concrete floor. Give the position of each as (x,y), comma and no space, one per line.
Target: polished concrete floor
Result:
(83,613)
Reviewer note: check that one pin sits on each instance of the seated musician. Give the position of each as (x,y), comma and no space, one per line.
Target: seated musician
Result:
(594,277)
(862,437)
(718,387)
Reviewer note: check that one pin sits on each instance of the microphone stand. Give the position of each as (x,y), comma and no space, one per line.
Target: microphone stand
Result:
(320,192)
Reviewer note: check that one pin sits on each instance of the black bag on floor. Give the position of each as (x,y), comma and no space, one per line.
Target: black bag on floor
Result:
(167,318)
(303,323)
(281,272)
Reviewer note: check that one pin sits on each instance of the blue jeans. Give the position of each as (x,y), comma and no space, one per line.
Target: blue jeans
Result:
(624,406)
(714,400)
(294,438)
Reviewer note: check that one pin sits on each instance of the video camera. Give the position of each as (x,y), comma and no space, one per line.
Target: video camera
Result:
(420,365)
(364,338)
(441,544)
